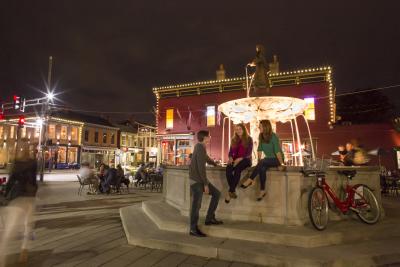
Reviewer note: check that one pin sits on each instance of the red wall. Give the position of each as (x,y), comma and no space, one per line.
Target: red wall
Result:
(371,136)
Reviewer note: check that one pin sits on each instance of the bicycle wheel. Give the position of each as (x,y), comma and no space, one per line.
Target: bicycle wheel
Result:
(318,208)
(366,204)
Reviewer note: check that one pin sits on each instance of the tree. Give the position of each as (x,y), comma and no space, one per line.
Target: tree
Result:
(364,107)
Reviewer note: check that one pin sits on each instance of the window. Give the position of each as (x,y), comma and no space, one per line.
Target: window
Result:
(123,140)
(12,132)
(104,138)
(309,113)
(1,131)
(210,116)
(86,136)
(96,137)
(23,132)
(74,133)
(112,138)
(37,132)
(52,131)
(170,118)
(64,132)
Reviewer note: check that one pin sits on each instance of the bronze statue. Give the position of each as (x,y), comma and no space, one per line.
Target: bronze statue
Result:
(260,79)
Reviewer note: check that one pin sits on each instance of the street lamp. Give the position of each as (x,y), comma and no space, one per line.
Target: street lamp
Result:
(50,96)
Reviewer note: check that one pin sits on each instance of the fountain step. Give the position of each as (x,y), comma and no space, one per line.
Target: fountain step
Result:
(142,231)
(168,218)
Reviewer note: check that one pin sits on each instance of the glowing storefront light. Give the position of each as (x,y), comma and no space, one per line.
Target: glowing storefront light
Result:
(309,113)
(170,118)
(210,115)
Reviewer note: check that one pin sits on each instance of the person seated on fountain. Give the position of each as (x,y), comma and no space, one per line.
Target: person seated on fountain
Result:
(239,158)
(261,74)
(269,145)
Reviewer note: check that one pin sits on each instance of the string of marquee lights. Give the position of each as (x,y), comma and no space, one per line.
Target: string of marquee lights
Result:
(202,110)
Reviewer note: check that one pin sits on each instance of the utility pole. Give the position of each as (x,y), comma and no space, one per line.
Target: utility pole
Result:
(44,124)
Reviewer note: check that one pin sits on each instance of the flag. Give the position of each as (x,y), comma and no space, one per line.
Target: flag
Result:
(189,121)
(179,114)
(219,118)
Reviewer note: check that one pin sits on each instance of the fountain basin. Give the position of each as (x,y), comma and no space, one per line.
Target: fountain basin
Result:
(284,204)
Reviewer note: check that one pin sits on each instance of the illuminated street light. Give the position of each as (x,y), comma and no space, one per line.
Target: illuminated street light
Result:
(50,96)
(39,122)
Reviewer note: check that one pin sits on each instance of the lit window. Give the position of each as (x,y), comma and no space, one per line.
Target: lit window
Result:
(74,133)
(52,131)
(309,113)
(23,132)
(210,115)
(12,132)
(170,118)
(1,131)
(64,132)
(123,140)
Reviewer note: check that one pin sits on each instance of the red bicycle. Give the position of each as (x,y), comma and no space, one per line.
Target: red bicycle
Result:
(359,199)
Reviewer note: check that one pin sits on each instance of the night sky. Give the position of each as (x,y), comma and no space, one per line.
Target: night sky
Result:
(108,55)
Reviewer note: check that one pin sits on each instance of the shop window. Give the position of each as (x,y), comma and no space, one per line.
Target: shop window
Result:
(86,138)
(74,133)
(64,132)
(52,131)
(96,137)
(170,118)
(72,155)
(210,116)
(62,155)
(309,113)
(104,138)
(112,138)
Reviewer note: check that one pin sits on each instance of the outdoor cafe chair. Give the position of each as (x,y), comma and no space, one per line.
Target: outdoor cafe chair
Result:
(82,184)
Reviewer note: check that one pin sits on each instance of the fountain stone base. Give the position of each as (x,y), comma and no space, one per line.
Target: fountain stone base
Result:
(284,204)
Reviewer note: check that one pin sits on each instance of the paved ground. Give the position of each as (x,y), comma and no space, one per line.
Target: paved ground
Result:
(86,231)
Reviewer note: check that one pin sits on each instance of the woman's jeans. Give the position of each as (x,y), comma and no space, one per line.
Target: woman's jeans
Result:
(233,173)
(261,169)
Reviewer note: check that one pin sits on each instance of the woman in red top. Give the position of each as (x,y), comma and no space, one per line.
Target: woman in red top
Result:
(239,158)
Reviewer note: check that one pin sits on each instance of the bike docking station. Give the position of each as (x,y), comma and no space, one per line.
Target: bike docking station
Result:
(276,231)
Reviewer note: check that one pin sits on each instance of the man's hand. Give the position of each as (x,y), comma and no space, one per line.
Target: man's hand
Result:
(206,190)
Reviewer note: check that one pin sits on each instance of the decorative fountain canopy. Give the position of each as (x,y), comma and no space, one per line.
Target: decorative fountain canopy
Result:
(273,108)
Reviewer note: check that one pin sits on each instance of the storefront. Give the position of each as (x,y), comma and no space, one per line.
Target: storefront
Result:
(176,149)
(98,155)
(63,156)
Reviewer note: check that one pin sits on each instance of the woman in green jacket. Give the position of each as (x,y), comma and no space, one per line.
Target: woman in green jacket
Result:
(268,144)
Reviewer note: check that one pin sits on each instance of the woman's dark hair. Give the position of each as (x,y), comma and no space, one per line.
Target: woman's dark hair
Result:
(201,134)
(245,136)
(266,135)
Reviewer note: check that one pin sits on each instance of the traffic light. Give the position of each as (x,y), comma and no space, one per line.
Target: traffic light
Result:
(19,103)
(21,121)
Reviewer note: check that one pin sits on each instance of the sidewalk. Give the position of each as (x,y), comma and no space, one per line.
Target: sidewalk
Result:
(86,230)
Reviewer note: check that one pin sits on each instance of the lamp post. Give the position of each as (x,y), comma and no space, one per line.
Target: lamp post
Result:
(49,97)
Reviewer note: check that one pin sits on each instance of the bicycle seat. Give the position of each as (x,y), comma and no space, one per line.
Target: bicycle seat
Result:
(348,174)
(310,173)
